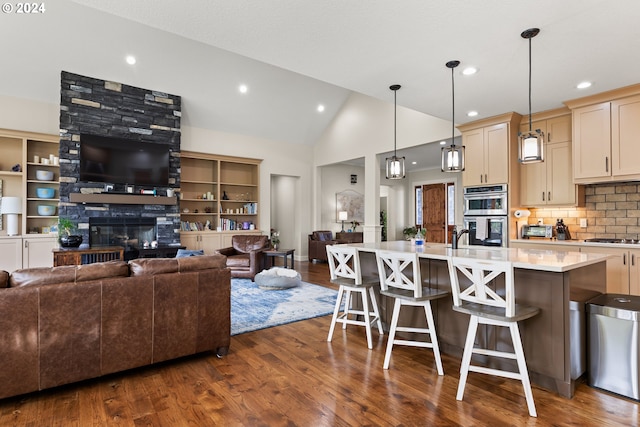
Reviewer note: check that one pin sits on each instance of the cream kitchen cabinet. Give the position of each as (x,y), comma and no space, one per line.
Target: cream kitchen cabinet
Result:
(10,253)
(634,272)
(38,251)
(489,150)
(209,241)
(26,252)
(550,182)
(486,156)
(592,143)
(605,136)
(623,272)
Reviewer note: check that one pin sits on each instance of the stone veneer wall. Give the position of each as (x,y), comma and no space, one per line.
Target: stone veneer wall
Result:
(612,211)
(99,107)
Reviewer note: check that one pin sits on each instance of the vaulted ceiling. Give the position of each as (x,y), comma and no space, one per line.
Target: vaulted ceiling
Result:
(294,55)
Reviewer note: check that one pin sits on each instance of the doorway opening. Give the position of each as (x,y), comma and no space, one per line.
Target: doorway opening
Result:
(284,210)
(435,210)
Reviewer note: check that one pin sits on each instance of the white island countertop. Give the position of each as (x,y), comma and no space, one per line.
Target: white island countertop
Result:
(557,261)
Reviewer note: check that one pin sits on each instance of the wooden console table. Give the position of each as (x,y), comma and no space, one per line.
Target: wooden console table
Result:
(349,237)
(74,256)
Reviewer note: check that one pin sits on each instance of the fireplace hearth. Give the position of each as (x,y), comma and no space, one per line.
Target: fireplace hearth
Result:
(130,233)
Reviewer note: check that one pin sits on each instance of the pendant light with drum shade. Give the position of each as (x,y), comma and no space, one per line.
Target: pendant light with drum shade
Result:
(395,164)
(453,156)
(530,144)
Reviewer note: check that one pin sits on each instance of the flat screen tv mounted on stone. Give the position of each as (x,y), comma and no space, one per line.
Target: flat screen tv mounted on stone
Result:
(123,161)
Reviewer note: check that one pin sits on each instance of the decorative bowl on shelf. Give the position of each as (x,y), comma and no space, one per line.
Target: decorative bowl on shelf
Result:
(46,210)
(45,193)
(42,175)
(70,241)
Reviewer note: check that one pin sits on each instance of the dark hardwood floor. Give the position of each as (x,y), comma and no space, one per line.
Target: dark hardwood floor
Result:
(291,376)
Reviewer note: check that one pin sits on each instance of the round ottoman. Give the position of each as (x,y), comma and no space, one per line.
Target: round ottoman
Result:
(277,278)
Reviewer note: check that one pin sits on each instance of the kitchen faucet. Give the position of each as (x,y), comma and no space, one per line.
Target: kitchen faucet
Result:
(455,236)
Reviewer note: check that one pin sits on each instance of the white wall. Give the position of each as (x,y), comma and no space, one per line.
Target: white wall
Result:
(364,128)
(30,116)
(336,178)
(279,158)
(398,196)
(284,210)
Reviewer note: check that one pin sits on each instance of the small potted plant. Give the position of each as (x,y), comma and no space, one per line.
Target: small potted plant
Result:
(68,240)
(410,232)
(275,239)
(354,224)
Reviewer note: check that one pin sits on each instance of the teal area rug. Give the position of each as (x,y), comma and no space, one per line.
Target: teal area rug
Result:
(253,308)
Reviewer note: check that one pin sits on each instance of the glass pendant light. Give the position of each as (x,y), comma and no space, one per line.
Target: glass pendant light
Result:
(453,156)
(395,164)
(530,144)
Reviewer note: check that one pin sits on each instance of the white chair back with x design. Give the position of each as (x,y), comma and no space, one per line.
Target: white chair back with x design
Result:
(345,270)
(400,279)
(481,274)
(477,298)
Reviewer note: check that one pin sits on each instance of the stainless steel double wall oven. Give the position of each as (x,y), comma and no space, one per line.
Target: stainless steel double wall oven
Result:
(486,215)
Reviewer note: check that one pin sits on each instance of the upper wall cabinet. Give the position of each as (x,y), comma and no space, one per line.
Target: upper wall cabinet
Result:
(490,147)
(550,182)
(605,129)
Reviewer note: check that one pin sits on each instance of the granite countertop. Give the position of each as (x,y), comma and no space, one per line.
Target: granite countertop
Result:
(533,259)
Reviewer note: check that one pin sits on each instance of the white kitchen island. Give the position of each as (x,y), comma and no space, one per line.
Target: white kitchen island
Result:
(547,279)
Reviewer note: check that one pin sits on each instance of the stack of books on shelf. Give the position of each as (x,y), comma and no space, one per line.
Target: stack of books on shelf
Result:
(230,224)
(193,226)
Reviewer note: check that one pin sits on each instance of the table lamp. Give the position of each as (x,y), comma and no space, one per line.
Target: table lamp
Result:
(11,207)
(342,216)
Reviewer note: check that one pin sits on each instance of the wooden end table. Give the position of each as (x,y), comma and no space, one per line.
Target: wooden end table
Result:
(283,253)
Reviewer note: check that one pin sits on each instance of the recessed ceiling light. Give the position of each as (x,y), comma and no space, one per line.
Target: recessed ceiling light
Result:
(472,113)
(583,85)
(320,108)
(131,59)
(469,71)
(243,88)
(443,142)
(414,163)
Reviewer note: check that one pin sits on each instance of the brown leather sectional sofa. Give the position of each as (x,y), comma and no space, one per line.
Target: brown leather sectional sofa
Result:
(65,324)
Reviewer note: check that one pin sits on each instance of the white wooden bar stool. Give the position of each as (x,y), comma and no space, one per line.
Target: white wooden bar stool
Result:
(344,266)
(401,280)
(486,307)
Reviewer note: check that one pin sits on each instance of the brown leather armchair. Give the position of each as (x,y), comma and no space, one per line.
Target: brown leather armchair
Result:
(244,257)
(318,240)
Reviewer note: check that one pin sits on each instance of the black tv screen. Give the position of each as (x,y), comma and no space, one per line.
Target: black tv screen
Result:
(123,161)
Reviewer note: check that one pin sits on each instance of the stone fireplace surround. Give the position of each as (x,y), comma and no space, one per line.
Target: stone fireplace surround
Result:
(131,233)
(100,107)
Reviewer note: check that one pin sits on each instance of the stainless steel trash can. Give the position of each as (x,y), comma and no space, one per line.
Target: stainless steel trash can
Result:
(614,344)
(578,330)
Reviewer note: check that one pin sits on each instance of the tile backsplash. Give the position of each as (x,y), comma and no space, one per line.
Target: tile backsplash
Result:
(612,211)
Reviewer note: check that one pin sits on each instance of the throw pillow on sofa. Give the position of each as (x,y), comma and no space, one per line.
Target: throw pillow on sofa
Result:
(187,252)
